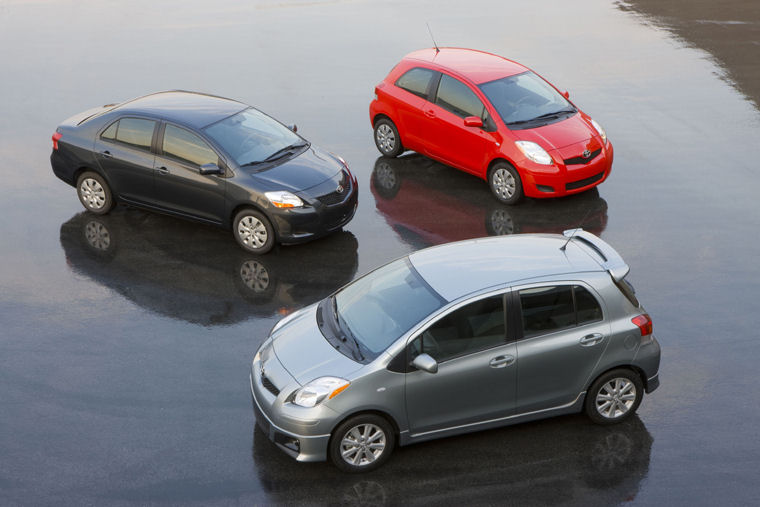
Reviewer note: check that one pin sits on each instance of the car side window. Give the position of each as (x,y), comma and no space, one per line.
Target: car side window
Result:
(110,132)
(135,132)
(456,97)
(549,309)
(187,147)
(416,81)
(477,326)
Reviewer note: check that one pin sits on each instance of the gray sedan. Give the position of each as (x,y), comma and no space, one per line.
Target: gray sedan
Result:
(452,339)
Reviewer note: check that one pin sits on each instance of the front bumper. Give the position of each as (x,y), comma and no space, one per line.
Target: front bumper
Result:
(296,225)
(300,447)
(560,180)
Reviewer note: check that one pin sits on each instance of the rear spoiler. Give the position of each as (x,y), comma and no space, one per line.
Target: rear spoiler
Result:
(610,259)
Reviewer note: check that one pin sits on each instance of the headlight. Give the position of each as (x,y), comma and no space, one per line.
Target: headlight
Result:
(284,199)
(320,389)
(534,152)
(601,131)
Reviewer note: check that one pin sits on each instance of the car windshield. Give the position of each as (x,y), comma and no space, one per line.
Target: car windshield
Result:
(525,99)
(383,305)
(251,137)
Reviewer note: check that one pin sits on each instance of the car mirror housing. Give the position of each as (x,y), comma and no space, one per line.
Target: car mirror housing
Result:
(211,169)
(473,121)
(293,127)
(566,94)
(425,363)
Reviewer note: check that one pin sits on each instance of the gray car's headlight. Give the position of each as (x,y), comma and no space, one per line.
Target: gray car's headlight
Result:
(316,391)
(601,131)
(284,199)
(534,152)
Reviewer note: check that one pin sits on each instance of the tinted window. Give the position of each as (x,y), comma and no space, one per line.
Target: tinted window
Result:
(110,132)
(135,132)
(587,306)
(546,309)
(416,81)
(455,96)
(476,326)
(187,147)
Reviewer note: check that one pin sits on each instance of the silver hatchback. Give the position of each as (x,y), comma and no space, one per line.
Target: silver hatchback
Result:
(452,339)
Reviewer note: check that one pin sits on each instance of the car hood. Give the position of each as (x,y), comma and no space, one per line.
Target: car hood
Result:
(307,170)
(572,130)
(305,353)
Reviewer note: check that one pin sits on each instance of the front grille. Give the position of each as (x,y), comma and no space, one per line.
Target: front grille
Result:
(269,385)
(586,181)
(580,160)
(336,197)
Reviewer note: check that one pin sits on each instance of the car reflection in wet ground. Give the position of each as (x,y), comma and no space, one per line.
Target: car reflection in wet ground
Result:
(427,203)
(564,461)
(195,273)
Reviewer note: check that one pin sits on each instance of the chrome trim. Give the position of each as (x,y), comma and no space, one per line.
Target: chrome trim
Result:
(568,405)
(281,430)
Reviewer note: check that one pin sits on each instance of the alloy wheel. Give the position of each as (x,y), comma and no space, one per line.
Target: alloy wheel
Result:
(615,398)
(362,444)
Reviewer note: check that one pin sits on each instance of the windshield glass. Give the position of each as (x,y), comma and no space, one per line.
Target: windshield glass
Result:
(524,98)
(250,136)
(378,308)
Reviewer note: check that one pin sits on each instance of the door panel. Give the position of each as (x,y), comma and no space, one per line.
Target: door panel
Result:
(181,188)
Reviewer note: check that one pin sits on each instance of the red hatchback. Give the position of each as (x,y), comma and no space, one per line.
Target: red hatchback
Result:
(493,118)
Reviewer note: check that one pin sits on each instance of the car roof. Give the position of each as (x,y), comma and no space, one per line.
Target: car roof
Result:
(190,108)
(456,269)
(477,66)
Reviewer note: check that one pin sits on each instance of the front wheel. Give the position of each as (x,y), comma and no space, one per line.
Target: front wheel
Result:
(614,397)
(387,139)
(93,193)
(362,443)
(505,183)
(253,231)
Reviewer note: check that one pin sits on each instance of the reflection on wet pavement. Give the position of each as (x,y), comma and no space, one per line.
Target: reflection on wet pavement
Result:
(198,274)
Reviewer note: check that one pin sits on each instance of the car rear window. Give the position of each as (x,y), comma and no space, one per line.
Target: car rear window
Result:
(549,309)
(416,81)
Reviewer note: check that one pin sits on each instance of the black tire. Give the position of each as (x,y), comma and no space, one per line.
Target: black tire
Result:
(614,397)
(505,183)
(376,429)
(94,193)
(253,231)
(387,139)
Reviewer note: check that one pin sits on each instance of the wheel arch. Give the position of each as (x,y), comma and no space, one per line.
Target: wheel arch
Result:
(250,205)
(380,116)
(385,415)
(496,160)
(633,368)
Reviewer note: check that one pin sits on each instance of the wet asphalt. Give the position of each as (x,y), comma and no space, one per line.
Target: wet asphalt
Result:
(125,340)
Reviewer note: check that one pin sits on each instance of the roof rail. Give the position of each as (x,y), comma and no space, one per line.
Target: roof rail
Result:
(610,259)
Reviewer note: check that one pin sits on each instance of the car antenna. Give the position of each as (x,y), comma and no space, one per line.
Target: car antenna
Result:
(433,38)
(580,225)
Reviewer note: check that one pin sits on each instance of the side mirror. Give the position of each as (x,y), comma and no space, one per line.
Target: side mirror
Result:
(566,94)
(473,121)
(425,363)
(211,169)
(293,127)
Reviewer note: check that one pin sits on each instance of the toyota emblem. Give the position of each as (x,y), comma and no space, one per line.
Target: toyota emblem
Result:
(340,189)
(586,154)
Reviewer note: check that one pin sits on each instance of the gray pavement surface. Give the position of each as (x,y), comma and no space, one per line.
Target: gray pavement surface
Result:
(124,367)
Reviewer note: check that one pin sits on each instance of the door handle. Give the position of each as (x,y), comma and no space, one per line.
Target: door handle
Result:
(106,154)
(430,113)
(162,170)
(592,339)
(501,361)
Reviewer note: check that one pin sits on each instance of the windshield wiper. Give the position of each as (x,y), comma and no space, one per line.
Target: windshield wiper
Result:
(284,151)
(343,337)
(544,116)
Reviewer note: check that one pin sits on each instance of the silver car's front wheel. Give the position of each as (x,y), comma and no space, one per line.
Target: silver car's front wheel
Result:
(614,396)
(362,443)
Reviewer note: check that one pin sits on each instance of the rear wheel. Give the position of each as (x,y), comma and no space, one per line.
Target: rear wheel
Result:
(253,231)
(505,183)
(93,193)
(387,139)
(614,397)
(362,443)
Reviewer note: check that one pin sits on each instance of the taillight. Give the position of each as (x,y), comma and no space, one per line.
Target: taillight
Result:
(56,137)
(644,323)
